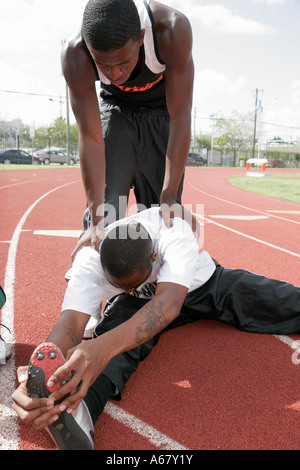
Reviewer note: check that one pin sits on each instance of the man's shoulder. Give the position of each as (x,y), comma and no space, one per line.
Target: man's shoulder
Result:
(168,19)
(173,31)
(151,215)
(77,66)
(150,218)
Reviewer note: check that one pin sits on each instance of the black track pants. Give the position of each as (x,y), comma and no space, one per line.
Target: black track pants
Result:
(239,298)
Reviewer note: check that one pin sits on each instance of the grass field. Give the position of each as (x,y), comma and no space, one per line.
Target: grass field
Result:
(280,185)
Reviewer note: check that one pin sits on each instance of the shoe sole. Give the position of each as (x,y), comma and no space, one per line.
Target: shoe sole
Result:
(65,432)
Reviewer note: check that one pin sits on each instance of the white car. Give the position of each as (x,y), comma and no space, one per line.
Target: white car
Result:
(54,156)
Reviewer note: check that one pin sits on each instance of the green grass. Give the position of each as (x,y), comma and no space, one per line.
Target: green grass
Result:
(284,186)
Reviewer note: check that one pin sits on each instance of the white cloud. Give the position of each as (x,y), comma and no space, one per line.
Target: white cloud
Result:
(209,83)
(222,20)
(270,2)
(219,19)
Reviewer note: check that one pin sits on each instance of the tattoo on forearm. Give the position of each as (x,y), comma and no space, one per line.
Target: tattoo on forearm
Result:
(70,334)
(154,321)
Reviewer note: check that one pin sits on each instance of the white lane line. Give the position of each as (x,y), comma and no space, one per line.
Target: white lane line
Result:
(157,438)
(269,214)
(58,233)
(247,236)
(239,217)
(283,212)
(283,338)
(9,433)
(22,182)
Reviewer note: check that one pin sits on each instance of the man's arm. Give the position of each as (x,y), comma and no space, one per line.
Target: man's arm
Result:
(68,331)
(174,37)
(42,412)
(89,359)
(80,77)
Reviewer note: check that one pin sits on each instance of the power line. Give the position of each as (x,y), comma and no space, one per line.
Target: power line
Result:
(31,94)
(245,120)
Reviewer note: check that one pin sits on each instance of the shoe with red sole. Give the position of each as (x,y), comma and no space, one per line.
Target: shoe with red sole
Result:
(72,431)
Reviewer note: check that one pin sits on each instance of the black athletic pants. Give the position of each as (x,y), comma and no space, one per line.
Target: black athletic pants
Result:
(136,142)
(247,301)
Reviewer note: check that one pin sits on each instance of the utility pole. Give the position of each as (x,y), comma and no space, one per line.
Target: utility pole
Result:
(68,123)
(255,120)
(194,131)
(212,139)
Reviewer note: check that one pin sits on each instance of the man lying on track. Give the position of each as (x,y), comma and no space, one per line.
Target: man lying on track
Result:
(156,279)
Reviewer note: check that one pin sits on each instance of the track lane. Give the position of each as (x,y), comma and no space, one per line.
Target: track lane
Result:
(243,391)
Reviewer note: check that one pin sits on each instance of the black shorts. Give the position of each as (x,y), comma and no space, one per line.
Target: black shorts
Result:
(136,142)
(236,297)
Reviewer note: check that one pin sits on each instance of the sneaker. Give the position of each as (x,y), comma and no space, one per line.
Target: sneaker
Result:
(72,431)
(90,326)
(89,329)
(5,350)
(68,275)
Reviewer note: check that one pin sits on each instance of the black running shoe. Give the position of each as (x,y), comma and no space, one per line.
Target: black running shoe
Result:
(72,431)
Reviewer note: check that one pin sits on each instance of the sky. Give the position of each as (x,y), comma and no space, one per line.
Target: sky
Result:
(238,46)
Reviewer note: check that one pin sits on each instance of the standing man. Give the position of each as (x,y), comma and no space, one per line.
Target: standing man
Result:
(141,51)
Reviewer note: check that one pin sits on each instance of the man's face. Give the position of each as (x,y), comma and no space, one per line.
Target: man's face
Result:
(118,64)
(131,283)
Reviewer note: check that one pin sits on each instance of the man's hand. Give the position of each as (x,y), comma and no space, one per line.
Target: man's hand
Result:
(92,237)
(173,209)
(86,364)
(39,412)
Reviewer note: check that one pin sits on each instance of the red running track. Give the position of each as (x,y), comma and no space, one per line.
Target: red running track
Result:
(205,386)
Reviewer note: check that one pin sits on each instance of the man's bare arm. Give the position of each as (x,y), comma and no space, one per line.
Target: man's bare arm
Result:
(175,48)
(89,359)
(68,330)
(80,77)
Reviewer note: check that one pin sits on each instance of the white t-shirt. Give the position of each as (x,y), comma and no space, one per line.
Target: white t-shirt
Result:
(178,261)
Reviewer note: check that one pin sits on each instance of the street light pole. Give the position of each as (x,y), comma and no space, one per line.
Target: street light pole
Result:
(67,115)
(255,120)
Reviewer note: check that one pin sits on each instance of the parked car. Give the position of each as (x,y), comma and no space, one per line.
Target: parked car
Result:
(8,156)
(196,160)
(54,156)
(275,164)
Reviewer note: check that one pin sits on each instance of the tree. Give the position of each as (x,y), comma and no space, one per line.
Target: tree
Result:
(234,133)
(203,142)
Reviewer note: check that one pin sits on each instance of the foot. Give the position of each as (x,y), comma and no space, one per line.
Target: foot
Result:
(72,431)
(5,349)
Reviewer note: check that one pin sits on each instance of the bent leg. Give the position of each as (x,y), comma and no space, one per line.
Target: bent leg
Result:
(120,137)
(153,142)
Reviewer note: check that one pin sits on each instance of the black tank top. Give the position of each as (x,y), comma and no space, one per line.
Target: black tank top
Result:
(144,88)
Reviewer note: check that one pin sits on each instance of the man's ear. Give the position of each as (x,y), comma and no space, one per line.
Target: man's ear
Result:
(142,35)
(153,256)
